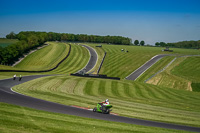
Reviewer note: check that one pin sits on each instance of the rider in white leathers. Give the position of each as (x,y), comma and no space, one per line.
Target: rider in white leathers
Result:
(106,102)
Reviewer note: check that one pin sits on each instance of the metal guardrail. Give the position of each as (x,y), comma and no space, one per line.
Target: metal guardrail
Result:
(161,70)
(101,63)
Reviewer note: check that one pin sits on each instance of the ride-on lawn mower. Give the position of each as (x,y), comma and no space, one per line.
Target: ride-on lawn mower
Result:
(105,109)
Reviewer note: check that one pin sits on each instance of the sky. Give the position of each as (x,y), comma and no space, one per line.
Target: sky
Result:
(148,20)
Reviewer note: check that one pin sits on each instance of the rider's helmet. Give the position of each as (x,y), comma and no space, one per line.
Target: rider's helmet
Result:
(107,100)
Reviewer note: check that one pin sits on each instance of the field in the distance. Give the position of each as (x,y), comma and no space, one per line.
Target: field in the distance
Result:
(121,64)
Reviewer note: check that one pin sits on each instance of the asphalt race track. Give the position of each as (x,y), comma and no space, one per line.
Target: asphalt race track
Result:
(142,69)
(93,58)
(11,97)
(134,75)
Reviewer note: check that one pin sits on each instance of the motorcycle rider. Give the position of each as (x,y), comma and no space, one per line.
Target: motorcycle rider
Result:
(106,102)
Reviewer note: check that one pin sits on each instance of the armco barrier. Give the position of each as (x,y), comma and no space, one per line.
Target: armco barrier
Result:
(95,76)
(101,63)
(41,70)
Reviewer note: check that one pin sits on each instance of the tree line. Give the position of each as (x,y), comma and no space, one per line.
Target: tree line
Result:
(141,43)
(51,36)
(31,39)
(182,44)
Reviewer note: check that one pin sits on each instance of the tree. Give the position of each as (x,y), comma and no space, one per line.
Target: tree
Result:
(32,40)
(162,44)
(136,42)
(157,44)
(142,43)
(64,37)
(12,35)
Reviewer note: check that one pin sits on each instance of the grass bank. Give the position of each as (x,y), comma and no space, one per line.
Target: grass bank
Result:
(158,66)
(16,119)
(45,58)
(131,99)
(180,74)
(76,60)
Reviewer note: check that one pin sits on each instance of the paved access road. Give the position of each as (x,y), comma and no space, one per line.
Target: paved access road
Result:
(134,75)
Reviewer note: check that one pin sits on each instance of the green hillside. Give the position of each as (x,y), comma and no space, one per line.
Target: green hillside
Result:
(166,100)
(45,58)
(77,59)
(132,99)
(180,74)
(121,64)
(189,69)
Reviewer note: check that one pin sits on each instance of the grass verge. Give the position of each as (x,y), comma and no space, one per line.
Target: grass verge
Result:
(16,119)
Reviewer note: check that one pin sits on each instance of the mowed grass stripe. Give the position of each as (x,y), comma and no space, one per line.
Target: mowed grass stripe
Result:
(115,91)
(68,60)
(82,59)
(77,59)
(127,90)
(71,59)
(102,87)
(145,92)
(188,69)
(153,91)
(150,92)
(45,58)
(133,90)
(79,89)
(95,87)
(108,90)
(138,91)
(88,87)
